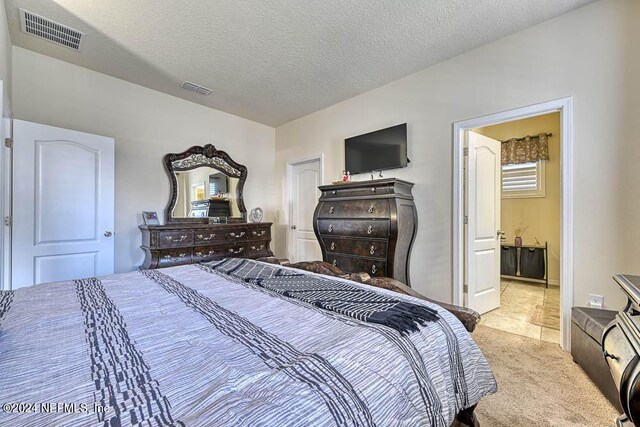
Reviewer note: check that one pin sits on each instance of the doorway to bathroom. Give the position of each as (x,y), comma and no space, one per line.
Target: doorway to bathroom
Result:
(514,207)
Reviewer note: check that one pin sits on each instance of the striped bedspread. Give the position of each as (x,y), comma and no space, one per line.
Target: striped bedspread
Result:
(192,346)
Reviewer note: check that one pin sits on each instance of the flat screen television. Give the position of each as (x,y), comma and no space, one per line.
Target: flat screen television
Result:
(379,150)
(218,184)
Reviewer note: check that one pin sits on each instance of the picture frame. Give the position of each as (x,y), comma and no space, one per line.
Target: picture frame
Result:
(150,218)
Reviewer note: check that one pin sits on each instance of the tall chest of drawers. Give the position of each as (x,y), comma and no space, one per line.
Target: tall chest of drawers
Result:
(367,226)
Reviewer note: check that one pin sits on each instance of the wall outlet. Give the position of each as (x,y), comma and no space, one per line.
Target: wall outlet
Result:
(596,301)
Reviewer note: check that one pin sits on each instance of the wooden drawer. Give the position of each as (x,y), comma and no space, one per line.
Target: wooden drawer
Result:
(173,239)
(171,257)
(237,234)
(354,228)
(236,250)
(360,247)
(375,208)
(354,192)
(209,253)
(259,233)
(257,249)
(358,265)
(616,343)
(207,236)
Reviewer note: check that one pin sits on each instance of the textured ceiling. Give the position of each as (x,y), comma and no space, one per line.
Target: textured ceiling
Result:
(275,61)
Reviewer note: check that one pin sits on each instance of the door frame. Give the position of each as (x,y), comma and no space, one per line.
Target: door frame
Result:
(565,107)
(289,192)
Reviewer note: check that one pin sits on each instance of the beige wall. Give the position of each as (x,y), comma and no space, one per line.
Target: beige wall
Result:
(5,114)
(590,54)
(146,125)
(540,214)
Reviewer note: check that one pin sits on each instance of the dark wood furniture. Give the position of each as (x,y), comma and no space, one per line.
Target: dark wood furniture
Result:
(198,157)
(187,240)
(186,243)
(367,226)
(621,349)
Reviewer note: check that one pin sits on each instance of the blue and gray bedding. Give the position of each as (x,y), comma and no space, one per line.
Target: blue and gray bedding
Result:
(233,343)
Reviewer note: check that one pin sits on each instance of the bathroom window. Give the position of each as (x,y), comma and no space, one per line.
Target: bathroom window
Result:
(523,180)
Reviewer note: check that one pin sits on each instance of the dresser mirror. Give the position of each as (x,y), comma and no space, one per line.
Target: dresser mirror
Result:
(206,185)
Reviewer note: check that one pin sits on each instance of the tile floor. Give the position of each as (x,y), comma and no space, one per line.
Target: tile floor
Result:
(519,302)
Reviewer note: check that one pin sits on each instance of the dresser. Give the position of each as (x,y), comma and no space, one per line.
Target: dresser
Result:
(621,350)
(186,243)
(367,226)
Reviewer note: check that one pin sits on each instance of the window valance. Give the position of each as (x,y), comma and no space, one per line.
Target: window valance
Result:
(525,150)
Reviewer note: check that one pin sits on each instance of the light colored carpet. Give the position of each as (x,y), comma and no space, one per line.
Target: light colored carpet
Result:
(538,385)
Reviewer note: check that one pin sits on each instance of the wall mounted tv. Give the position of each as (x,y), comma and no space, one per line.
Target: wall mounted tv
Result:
(379,150)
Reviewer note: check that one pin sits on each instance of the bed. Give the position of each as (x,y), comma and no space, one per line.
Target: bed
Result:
(235,342)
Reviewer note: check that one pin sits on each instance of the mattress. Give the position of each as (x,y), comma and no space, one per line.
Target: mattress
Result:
(192,346)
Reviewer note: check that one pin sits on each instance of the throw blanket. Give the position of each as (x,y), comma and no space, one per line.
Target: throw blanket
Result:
(330,294)
(189,346)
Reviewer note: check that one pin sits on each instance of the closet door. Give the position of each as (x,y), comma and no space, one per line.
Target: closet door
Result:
(63,204)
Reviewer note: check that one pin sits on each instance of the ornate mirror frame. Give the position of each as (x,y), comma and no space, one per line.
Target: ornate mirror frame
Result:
(193,158)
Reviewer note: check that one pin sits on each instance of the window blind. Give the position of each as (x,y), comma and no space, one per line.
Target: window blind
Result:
(520,178)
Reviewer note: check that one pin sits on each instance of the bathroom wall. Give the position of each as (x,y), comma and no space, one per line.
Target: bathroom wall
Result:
(540,214)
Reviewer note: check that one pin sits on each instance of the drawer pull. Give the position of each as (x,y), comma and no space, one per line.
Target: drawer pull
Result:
(373,269)
(369,229)
(259,233)
(254,248)
(236,252)
(175,239)
(373,190)
(330,228)
(609,355)
(372,250)
(207,254)
(331,210)
(370,210)
(334,192)
(237,236)
(171,258)
(335,263)
(211,236)
(333,245)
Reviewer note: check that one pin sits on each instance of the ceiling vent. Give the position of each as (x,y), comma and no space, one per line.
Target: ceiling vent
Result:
(197,88)
(42,27)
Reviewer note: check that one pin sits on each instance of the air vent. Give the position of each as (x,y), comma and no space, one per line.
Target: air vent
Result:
(197,88)
(42,27)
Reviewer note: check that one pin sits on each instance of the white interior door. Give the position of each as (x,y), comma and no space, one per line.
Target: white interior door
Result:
(305,179)
(482,256)
(5,180)
(63,204)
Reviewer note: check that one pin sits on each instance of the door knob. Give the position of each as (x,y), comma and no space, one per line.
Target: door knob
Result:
(500,234)
(108,234)
(293,227)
